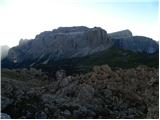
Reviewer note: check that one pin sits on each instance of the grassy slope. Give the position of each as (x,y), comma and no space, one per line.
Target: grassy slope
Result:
(121,58)
(114,57)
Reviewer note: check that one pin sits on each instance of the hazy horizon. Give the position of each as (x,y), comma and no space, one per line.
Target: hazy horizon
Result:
(25,19)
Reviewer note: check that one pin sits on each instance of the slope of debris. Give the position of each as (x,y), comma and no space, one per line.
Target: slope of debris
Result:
(102,93)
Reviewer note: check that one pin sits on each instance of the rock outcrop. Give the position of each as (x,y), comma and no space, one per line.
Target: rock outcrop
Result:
(5,102)
(120,34)
(124,40)
(64,42)
(137,44)
(74,42)
(5,116)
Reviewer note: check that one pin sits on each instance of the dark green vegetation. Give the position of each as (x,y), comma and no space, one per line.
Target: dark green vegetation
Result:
(114,57)
(31,77)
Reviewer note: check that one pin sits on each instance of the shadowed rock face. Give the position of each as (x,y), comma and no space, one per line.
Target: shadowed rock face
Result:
(124,40)
(64,42)
(137,44)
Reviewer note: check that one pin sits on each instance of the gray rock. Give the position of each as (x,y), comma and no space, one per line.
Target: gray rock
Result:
(5,116)
(70,42)
(60,100)
(120,34)
(23,42)
(137,44)
(51,99)
(48,98)
(5,102)
(29,114)
(83,109)
(65,81)
(41,115)
(67,113)
(64,42)
(80,113)
(60,74)
(76,113)
(22,117)
(107,93)
(86,93)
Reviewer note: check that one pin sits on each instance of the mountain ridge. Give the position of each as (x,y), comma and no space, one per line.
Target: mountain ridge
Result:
(61,44)
(78,41)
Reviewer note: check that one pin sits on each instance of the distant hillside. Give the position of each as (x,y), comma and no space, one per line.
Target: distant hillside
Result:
(4,51)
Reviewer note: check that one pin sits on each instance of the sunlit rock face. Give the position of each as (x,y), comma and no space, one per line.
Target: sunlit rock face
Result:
(64,42)
(120,34)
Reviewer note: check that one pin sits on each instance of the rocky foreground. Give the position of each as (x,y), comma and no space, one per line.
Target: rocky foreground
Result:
(102,93)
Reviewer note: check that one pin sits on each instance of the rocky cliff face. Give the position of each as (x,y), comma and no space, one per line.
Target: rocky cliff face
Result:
(72,42)
(121,34)
(137,44)
(64,42)
(124,40)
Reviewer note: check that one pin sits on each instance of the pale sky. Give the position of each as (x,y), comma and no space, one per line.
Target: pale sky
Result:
(27,18)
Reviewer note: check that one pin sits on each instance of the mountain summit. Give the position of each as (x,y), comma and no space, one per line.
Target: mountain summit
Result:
(121,34)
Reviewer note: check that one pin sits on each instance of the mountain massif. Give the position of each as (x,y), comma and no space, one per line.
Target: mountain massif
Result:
(62,43)
(73,42)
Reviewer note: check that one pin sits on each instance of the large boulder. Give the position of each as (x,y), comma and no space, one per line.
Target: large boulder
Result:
(60,74)
(5,116)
